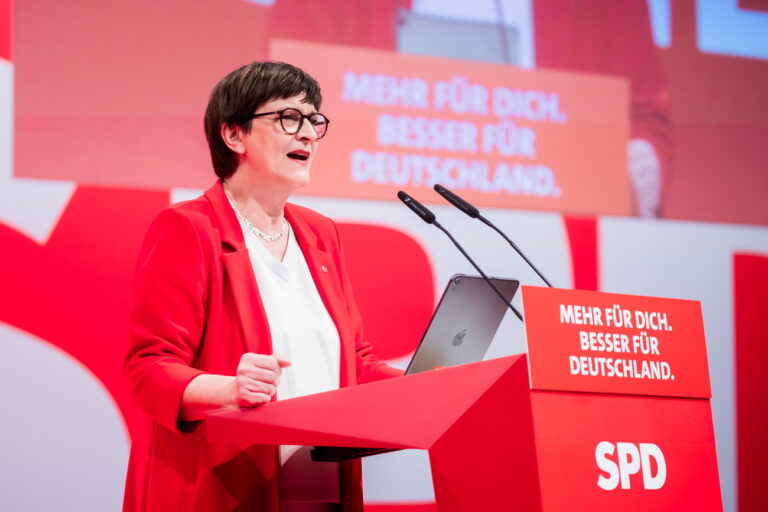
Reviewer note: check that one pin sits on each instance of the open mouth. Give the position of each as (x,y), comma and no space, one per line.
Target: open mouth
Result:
(298,155)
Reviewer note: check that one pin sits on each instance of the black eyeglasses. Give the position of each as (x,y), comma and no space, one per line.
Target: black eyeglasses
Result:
(292,120)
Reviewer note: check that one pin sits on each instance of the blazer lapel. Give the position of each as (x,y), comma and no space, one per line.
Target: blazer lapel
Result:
(239,273)
(325,273)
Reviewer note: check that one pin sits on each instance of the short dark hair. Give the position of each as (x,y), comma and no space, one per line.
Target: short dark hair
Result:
(241,92)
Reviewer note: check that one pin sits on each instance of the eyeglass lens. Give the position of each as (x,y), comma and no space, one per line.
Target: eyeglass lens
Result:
(292,119)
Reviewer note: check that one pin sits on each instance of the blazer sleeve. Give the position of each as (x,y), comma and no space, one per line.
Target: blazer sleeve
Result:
(168,315)
(368,366)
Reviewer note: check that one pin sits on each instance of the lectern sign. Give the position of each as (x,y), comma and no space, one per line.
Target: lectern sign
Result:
(611,343)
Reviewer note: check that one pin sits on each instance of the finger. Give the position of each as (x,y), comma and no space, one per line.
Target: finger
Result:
(258,387)
(250,399)
(281,360)
(259,374)
(259,361)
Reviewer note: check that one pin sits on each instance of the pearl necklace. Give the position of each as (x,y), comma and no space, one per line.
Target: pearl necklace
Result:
(256,231)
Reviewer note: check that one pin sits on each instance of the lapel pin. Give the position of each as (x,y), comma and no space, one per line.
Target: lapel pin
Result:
(323,268)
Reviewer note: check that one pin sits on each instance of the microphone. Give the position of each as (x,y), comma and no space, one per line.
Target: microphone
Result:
(457,201)
(427,216)
(473,212)
(418,208)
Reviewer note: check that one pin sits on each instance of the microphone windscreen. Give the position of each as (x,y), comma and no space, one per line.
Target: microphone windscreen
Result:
(457,201)
(417,208)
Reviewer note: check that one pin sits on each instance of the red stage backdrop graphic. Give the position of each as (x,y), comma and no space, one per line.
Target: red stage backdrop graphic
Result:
(101,122)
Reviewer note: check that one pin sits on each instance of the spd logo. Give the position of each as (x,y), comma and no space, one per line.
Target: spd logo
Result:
(620,461)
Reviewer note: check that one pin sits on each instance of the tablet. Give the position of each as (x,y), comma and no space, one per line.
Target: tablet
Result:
(464,322)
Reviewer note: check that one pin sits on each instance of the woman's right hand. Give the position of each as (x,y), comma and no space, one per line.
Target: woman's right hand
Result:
(255,383)
(257,378)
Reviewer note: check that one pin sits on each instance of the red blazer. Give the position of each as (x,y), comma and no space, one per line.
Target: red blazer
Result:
(196,310)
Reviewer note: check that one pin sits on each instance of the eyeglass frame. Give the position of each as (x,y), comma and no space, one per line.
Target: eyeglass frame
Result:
(301,125)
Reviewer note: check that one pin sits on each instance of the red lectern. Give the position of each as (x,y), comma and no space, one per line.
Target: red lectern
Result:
(497,444)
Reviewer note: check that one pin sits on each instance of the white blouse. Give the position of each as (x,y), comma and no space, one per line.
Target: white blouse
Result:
(303,332)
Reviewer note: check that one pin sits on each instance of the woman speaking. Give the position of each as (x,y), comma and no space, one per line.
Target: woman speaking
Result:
(243,298)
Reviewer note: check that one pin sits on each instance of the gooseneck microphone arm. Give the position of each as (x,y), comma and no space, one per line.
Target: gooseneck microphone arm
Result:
(461,249)
(516,248)
(427,216)
(473,212)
